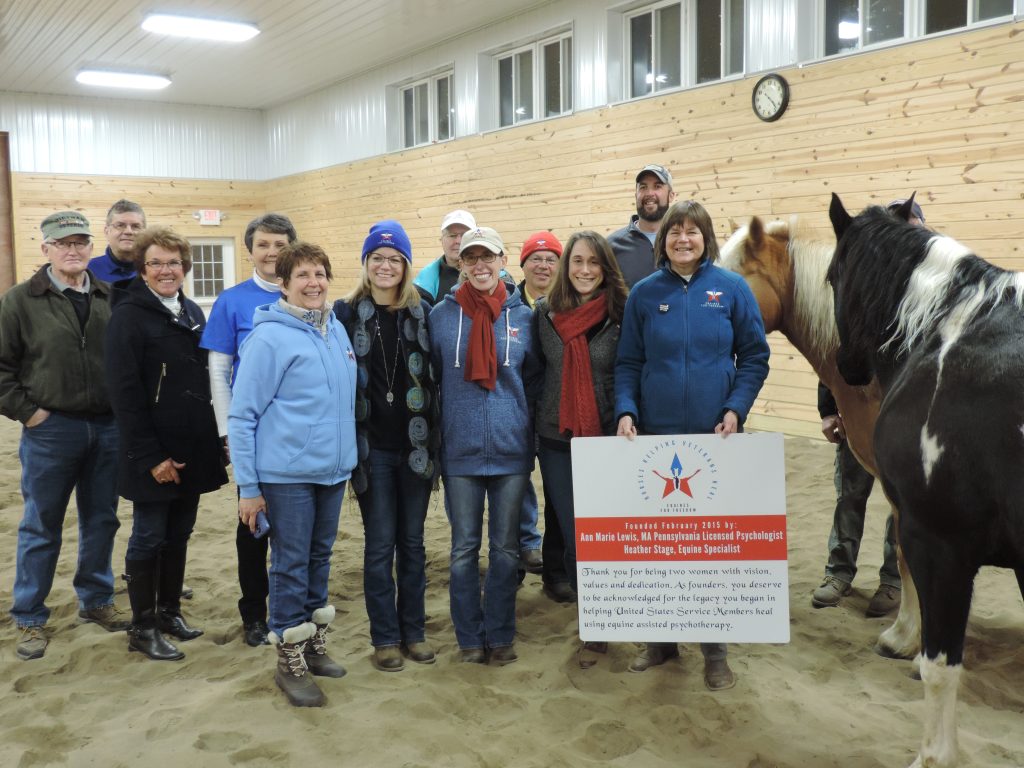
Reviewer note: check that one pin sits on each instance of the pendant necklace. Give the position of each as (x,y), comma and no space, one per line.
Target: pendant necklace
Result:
(389,378)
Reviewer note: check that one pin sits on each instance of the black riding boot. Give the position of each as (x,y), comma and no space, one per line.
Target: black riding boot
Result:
(143,634)
(172,576)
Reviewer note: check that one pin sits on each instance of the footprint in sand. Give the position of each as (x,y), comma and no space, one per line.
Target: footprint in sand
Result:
(220,741)
(608,740)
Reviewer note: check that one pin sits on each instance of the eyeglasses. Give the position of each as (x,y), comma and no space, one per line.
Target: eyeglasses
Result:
(549,260)
(121,226)
(66,245)
(376,260)
(487,258)
(157,266)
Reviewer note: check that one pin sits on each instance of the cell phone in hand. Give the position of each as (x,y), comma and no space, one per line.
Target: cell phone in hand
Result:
(262,525)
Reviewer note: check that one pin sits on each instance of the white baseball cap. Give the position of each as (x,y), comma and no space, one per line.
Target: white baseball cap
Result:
(458,216)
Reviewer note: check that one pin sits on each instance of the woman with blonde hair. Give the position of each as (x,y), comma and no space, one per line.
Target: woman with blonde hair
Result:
(396,424)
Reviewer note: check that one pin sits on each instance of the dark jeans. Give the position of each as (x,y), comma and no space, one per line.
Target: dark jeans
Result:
(556,469)
(553,548)
(853,487)
(161,525)
(393,509)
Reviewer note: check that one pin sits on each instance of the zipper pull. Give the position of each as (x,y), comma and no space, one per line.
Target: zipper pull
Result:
(160,383)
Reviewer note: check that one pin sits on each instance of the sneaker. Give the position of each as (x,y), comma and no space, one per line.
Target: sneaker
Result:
(110,617)
(832,590)
(32,644)
(885,600)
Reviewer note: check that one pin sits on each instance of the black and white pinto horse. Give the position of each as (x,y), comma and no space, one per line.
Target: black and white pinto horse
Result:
(943,330)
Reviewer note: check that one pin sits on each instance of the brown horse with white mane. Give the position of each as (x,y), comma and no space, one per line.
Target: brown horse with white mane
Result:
(786,272)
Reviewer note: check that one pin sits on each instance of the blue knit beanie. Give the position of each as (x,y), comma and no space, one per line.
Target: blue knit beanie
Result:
(388,234)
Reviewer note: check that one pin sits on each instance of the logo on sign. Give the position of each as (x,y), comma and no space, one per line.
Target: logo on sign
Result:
(679,475)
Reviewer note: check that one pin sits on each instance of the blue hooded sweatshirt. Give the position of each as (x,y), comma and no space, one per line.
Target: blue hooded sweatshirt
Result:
(292,417)
(689,351)
(482,432)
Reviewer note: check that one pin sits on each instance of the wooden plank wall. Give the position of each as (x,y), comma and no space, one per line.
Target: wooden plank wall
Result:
(939,116)
(170,202)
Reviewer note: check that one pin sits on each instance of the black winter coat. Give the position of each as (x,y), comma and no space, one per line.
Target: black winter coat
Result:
(159,388)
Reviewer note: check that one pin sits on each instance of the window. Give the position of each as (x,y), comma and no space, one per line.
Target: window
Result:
(676,44)
(535,80)
(427,111)
(213,269)
(853,24)
(882,20)
(940,15)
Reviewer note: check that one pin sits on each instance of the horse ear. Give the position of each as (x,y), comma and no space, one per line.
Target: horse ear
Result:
(755,231)
(905,211)
(840,218)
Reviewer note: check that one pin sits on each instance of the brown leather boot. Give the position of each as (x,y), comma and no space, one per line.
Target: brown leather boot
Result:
(317,660)
(292,675)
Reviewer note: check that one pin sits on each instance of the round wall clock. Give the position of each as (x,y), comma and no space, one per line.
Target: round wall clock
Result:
(770,97)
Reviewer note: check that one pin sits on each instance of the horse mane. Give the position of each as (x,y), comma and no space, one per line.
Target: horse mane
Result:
(814,307)
(952,280)
(908,281)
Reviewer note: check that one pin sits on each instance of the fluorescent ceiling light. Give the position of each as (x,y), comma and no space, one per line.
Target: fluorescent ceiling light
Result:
(122,79)
(204,29)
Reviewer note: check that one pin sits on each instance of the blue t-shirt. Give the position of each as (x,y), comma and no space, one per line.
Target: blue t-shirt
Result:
(230,319)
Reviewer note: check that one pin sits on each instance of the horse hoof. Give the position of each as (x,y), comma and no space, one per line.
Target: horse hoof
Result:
(891,653)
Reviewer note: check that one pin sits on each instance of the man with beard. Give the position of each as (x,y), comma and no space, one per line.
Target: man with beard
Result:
(125,219)
(634,244)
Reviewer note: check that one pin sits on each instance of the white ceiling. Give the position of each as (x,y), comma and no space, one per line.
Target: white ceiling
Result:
(302,47)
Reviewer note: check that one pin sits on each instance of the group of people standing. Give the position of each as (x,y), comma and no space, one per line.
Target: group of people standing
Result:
(458,376)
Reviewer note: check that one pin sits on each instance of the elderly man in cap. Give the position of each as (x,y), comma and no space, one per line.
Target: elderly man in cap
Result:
(437,279)
(52,332)
(853,487)
(634,244)
(125,219)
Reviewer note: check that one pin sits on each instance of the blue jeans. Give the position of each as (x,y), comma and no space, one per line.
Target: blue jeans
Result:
(491,622)
(393,508)
(556,467)
(62,454)
(529,535)
(303,526)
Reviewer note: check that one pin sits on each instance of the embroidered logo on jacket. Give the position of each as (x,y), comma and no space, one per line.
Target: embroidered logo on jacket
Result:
(714,299)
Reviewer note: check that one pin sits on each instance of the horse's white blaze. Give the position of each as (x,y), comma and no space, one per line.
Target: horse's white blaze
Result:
(939,747)
(930,452)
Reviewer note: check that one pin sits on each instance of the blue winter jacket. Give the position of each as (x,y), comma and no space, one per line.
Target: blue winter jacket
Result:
(292,417)
(689,352)
(484,432)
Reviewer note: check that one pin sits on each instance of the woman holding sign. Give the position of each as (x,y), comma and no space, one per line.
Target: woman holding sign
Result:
(691,359)
(577,326)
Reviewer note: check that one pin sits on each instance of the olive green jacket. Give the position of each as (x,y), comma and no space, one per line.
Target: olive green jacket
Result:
(46,361)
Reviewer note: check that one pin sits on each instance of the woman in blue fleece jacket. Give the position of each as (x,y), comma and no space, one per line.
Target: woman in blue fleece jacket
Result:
(484,358)
(292,433)
(692,357)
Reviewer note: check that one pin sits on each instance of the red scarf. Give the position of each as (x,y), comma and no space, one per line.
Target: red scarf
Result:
(577,409)
(482,350)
